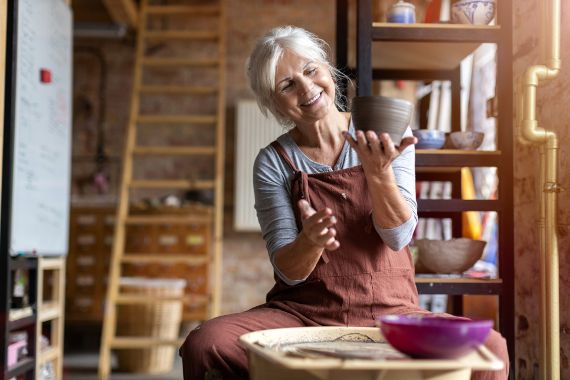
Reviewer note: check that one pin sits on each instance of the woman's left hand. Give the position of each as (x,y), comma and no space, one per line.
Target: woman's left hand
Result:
(376,152)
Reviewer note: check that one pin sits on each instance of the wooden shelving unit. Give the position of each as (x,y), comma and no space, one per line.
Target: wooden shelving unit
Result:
(51,310)
(434,52)
(18,320)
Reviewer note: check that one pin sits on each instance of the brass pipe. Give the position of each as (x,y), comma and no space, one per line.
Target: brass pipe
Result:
(551,190)
(530,132)
(543,330)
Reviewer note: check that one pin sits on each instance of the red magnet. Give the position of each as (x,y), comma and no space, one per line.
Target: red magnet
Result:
(45,76)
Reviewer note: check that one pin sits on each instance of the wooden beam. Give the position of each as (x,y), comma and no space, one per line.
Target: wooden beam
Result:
(123,11)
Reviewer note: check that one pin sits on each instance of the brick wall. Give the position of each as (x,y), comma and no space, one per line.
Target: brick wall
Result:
(247,274)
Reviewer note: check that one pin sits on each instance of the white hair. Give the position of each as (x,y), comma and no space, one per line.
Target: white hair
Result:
(262,64)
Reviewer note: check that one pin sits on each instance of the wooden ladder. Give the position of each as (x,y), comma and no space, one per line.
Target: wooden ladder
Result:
(214,123)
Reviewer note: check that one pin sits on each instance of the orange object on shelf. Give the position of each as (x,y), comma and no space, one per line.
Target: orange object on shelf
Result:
(471,219)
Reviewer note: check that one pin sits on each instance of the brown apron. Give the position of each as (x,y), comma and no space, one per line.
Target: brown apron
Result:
(362,279)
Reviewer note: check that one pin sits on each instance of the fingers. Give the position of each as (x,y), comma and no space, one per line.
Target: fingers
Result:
(406,142)
(306,209)
(326,238)
(377,144)
(332,243)
(388,144)
(318,226)
(361,139)
(374,143)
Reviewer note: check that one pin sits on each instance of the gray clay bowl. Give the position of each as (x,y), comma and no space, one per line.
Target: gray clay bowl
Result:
(382,114)
(467,140)
(449,256)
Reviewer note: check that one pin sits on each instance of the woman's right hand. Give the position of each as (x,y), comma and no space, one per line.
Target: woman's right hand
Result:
(318,226)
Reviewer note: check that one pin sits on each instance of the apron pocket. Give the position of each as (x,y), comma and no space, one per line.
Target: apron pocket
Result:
(394,291)
(322,301)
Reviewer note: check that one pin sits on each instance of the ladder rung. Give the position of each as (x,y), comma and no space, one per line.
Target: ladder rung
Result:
(177,119)
(179,62)
(165,89)
(175,150)
(128,299)
(182,9)
(165,258)
(166,219)
(180,34)
(135,342)
(173,184)
(195,300)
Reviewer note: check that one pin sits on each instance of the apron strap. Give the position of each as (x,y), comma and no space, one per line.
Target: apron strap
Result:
(279,148)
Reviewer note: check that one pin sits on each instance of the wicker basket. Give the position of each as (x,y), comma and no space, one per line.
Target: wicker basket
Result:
(158,320)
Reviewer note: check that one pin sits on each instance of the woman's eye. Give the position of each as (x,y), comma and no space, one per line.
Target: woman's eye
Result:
(286,87)
(311,71)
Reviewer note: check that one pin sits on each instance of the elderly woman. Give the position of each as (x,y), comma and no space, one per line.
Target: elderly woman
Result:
(337,209)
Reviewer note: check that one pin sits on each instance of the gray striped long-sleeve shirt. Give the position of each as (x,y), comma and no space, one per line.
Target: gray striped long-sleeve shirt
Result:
(272,186)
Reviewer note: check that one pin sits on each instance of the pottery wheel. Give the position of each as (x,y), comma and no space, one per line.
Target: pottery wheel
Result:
(350,346)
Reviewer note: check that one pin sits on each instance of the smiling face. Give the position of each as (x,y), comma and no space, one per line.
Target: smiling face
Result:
(304,89)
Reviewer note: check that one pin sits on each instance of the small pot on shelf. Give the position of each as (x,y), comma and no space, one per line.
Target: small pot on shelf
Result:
(476,12)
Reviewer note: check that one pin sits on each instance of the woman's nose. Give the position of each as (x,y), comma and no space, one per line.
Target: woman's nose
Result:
(305,85)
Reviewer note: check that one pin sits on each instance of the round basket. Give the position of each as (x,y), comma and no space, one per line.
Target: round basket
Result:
(152,320)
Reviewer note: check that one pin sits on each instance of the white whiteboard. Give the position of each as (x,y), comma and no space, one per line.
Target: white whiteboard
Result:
(42,129)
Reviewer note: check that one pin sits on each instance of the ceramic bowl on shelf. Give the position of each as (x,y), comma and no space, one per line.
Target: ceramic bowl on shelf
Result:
(449,256)
(429,138)
(432,336)
(382,115)
(476,12)
(467,140)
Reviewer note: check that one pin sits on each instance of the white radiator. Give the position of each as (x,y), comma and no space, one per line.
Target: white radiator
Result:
(254,131)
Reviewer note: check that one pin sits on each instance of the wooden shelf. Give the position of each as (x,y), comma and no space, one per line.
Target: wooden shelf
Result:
(19,318)
(53,263)
(427,46)
(47,355)
(20,313)
(458,158)
(458,205)
(23,366)
(23,262)
(49,311)
(458,286)
(460,33)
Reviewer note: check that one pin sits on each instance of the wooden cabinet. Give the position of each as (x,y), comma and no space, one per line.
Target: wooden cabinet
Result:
(434,51)
(91,240)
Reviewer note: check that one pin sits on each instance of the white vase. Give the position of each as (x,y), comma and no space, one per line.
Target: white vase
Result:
(477,12)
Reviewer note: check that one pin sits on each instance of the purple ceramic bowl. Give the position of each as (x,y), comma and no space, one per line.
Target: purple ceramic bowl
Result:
(434,337)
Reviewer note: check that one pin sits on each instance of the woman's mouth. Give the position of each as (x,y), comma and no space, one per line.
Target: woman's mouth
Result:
(313,100)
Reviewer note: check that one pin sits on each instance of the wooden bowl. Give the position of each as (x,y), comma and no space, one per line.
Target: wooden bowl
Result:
(449,256)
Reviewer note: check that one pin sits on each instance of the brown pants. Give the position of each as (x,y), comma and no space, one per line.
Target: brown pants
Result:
(212,351)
